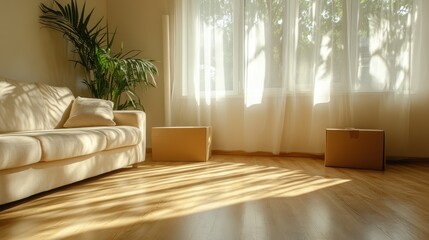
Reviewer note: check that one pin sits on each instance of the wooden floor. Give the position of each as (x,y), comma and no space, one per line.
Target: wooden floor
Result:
(231,198)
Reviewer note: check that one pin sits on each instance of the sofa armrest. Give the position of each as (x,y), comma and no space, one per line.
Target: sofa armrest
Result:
(133,118)
(137,119)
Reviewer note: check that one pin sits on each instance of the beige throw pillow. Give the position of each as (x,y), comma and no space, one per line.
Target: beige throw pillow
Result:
(89,112)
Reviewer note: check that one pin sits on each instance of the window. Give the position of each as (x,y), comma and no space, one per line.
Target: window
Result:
(216,49)
(301,45)
(384,48)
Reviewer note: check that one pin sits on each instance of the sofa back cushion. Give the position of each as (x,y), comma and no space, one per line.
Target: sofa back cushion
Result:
(58,102)
(26,106)
(21,106)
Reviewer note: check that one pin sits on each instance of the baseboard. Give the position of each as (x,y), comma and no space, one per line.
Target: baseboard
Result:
(268,154)
(389,159)
(392,160)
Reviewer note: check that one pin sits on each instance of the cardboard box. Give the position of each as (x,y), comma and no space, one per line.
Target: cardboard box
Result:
(182,144)
(355,148)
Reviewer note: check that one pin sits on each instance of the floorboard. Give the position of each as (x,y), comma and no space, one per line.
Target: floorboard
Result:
(231,197)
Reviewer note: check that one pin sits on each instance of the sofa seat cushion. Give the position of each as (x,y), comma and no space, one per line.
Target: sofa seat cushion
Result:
(120,136)
(60,144)
(17,151)
(66,143)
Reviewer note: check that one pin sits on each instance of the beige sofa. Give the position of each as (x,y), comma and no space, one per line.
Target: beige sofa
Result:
(37,154)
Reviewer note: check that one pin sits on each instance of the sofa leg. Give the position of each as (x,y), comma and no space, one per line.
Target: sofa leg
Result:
(135,165)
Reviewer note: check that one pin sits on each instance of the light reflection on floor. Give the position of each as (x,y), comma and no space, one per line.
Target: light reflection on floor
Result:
(153,192)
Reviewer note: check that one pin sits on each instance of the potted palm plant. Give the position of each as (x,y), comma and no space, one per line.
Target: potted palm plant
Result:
(108,75)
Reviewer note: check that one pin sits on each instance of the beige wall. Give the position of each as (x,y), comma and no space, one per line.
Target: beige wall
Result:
(139,26)
(31,53)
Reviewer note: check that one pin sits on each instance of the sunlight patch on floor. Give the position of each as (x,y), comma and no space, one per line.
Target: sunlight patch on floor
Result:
(156,191)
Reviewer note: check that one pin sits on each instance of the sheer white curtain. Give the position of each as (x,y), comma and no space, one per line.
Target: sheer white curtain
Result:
(272,75)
